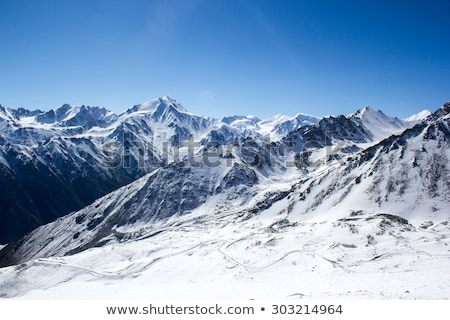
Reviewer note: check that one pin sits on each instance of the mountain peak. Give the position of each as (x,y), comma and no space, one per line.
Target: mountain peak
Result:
(379,124)
(418,116)
(446,107)
(5,113)
(158,105)
(169,99)
(442,112)
(366,112)
(170,102)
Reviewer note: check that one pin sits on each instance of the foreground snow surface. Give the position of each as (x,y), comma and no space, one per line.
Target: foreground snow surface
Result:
(216,253)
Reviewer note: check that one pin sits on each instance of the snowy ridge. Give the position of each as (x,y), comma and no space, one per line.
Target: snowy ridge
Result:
(378,123)
(422,115)
(280,125)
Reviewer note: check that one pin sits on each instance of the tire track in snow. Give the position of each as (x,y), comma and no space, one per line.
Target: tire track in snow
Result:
(135,272)
(220,250)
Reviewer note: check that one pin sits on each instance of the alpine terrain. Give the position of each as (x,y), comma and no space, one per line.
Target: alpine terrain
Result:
(157,202)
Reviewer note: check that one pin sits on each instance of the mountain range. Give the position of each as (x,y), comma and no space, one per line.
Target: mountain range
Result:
(238,198)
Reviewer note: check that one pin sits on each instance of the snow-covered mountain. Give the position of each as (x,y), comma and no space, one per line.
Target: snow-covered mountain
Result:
(422,115)
(80,153)
(280,125)
(338,197)
(379,124)
(61,160)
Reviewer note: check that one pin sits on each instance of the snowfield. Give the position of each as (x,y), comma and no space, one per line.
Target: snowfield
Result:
(219,254)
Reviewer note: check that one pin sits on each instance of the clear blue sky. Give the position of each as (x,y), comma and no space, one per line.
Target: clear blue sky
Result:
(225,57)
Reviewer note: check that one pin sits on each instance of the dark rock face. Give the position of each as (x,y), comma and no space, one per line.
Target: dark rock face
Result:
(51,184)
(237,176)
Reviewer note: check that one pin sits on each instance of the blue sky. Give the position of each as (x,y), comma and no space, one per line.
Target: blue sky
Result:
(225,57)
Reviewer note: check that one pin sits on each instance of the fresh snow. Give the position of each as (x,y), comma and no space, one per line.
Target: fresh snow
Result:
(280,125)
(216,254)
(379,124)
(422,115)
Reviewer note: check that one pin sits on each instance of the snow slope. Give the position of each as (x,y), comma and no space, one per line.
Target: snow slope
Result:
(222,255)
(379,124)
(422,115)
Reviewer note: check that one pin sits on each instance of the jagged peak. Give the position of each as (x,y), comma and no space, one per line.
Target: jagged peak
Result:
(446,107)
(365,112)
(279,119)
(170,100)
(418,116)
(230,119)
(442,112)
(64,106)
(6,113)
(157,105)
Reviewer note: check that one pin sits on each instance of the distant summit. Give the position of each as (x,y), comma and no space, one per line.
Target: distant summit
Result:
(418,116)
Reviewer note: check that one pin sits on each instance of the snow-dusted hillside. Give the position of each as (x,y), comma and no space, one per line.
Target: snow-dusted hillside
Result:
(422,115)
(354,206)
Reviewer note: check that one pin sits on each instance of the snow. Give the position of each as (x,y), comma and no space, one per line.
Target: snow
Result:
(422,115)
(379,124)
(30,122)
(222,256)
(151,105)
(280,125)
